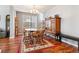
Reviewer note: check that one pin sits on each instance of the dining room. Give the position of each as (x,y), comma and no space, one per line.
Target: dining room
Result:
(40,29)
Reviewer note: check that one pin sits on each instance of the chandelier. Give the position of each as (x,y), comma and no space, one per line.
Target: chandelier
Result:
(34,10)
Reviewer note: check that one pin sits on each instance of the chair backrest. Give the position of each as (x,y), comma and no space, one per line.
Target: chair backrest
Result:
(35,33)
(41,33)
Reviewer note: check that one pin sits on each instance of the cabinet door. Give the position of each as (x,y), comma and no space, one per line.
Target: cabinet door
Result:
(53,26)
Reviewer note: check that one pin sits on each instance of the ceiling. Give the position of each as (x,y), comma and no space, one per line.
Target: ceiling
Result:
(40,8)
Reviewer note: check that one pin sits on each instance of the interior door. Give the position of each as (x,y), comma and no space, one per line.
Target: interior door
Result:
(7,25)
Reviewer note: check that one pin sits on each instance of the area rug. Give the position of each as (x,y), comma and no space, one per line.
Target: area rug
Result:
(24,49)
(57,47)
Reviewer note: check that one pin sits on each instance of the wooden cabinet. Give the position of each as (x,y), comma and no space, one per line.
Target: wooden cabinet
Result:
(16,26)
(58,28)
(58,24)
(53,26)
(50,24)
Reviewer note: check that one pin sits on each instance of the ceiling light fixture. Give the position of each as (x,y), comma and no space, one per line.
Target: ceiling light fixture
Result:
(34,10)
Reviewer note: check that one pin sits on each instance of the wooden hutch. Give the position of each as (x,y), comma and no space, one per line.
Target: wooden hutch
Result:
(53,25)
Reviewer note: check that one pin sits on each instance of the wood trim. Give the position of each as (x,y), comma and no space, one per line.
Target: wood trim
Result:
(16,26)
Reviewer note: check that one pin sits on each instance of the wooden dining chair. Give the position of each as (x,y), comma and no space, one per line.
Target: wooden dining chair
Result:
(27,39)
(41,36)
(35,37)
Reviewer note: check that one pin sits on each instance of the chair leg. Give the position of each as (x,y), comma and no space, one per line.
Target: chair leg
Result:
(34,42)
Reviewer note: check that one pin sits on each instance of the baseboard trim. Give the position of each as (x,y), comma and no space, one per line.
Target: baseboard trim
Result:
(70,37)
(69,43)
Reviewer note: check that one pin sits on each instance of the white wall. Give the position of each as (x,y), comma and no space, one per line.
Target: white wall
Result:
(4,10)
(70,18)
(12,22)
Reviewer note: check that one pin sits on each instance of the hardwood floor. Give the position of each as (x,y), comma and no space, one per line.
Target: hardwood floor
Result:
(10,45)
(14,46)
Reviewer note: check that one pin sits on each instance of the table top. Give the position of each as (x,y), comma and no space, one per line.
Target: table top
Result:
(31,29)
